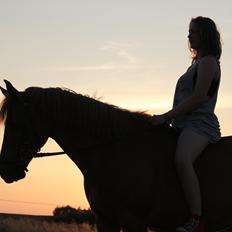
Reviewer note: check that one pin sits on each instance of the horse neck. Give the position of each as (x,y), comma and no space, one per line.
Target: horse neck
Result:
(85,123)
(94,120)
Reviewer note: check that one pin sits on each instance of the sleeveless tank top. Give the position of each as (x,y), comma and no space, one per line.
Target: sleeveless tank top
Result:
(203,119)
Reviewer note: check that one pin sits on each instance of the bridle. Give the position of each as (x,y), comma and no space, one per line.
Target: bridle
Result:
(26,153)
(23,160)
(27,150)
(46,154)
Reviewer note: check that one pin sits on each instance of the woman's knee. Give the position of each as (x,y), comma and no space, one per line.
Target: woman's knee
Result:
(183,161)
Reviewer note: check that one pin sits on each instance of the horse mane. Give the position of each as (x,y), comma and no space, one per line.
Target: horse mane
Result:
(94,117)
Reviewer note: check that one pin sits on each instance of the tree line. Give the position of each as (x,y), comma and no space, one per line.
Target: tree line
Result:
(69,214)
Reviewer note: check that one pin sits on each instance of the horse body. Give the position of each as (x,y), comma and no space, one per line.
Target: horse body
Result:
(134,179)
(128,165)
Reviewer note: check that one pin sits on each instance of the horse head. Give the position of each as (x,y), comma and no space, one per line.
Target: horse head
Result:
(22,136)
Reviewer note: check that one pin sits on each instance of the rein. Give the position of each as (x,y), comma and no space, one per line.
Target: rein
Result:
(37,155)
(46,154)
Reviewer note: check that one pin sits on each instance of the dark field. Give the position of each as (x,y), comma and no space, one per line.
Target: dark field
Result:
(28,223)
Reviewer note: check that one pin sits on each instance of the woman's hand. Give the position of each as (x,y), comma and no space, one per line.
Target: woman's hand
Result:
(160,119)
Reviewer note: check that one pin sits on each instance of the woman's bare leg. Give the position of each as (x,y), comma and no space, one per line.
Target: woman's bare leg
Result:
(189,146)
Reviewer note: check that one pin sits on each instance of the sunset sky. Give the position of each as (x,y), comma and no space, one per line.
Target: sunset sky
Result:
(127,52)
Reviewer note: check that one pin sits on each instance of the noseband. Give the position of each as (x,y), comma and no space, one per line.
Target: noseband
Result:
(25,154)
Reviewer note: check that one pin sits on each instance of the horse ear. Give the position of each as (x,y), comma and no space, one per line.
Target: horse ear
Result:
(11,90)
(4,91)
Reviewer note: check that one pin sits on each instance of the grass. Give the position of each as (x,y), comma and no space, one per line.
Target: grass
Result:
(27,223)
(30,225)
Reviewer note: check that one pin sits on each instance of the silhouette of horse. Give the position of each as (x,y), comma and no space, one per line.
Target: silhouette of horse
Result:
(128,165)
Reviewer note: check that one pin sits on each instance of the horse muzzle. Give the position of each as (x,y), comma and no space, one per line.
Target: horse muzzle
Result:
(9,175)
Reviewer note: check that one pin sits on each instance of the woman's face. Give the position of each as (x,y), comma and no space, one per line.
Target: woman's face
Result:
(194,36)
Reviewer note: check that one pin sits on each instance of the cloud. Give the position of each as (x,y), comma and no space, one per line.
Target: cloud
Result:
(100,67)
(123,59)
(121,49)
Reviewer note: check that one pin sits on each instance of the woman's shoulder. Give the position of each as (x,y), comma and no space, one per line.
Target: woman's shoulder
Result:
(209,60)
(209,65)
